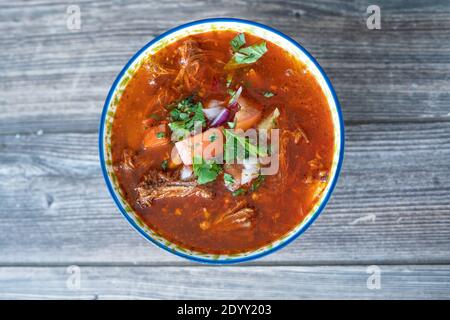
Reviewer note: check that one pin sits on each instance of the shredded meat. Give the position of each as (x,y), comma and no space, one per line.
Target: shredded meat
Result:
(239,217)
(285,175)
(128,161)
(191,56)
(318,177)
(157,70)
(158,185)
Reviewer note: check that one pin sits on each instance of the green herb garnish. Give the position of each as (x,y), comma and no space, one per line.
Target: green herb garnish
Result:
(237,42)
(205,171)
(247,55)
(228,178)
(268,94)
(160,135)
(184,116)
(257,182)
(176,114)
(212,137)
(164,164)
(239,192)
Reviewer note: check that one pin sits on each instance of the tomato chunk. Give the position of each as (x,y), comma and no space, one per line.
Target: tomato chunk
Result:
(208,145)
(248,115)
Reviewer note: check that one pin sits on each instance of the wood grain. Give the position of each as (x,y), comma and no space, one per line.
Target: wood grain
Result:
(56,80)
(57,203)
(397,282)
(391,206)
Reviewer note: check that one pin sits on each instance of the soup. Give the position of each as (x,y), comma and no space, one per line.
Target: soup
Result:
(183,156)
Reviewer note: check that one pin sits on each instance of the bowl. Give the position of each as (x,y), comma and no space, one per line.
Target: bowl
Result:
(175,34)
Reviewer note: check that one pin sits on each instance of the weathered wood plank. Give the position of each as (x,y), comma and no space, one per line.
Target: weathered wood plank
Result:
(336,282)
(56,79)
(391,204)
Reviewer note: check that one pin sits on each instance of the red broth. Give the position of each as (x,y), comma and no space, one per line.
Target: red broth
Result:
(283,200)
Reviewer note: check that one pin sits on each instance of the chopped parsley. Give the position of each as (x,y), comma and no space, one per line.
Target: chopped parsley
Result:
(232,93)
(254,186)
(205,171)
(247,55)
(179,115)
(239,192)
(237,42)
(164,164)
(161,135)
(257,183)
(228,178)
(212,137)
(268,94)
(184,116)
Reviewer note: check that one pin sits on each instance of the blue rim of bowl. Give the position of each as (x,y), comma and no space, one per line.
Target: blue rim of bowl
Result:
(250,256)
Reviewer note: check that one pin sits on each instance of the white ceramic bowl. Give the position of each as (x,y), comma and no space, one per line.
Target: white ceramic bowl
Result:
(171,36)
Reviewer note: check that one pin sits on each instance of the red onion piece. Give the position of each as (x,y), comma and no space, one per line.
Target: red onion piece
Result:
(235,97)
(234,107)
(214,104)
(221,118)
(212,113)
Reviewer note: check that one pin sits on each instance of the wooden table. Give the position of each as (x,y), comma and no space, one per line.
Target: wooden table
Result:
(391,207)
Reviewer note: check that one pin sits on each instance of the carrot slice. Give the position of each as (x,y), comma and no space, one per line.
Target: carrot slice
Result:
(248,115)
(156,136)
